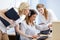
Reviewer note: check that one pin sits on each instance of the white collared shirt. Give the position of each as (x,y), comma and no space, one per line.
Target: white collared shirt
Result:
(30,29)
(2,27)
(51,17)
(22,17)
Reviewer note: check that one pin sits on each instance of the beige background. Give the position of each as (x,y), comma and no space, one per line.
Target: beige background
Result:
(56,31)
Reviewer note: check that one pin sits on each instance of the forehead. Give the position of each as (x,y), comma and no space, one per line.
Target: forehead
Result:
(40,5)
(40,8)
(34,15)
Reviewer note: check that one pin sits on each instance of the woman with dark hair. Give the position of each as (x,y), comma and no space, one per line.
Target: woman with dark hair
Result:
(30,29)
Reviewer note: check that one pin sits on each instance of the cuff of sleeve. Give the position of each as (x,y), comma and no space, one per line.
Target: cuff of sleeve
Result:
(18,21)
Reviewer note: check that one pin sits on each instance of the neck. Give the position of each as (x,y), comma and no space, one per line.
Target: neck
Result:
(30,22)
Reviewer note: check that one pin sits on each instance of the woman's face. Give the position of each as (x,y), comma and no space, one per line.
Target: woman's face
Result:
(26,11)
(41,10)
(32,18)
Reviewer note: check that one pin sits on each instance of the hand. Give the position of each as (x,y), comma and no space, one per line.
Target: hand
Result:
(34,36)
(50,25)
(29,36)
(3,16)
(11,22)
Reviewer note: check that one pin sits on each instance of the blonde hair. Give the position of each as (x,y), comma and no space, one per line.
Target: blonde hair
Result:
(45,10)
(39,6)
(23,6)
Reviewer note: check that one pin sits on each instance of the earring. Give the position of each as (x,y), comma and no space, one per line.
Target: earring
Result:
(29,14)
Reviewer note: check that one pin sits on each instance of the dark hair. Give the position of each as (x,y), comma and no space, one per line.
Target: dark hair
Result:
(32,12)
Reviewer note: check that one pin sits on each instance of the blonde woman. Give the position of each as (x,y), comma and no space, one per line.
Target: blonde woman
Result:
(22,12)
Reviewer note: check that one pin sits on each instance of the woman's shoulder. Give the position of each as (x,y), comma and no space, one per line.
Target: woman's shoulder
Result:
(50,11)
(23,22)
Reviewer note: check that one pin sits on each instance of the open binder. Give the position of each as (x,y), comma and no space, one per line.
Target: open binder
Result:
(11,14)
